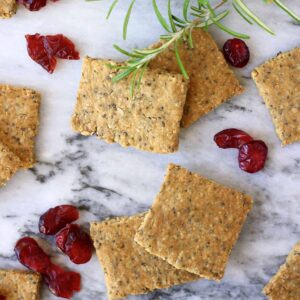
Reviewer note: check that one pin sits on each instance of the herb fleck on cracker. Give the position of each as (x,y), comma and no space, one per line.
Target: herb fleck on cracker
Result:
(194,223)
(129,269)
(149,121)
(211,80)
(278,81)
(285,285)
(20,285)
(19,121)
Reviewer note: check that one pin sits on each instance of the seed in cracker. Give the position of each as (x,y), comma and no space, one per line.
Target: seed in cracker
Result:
(278,81)
(19,120)
(17,285)
(211,81)
(194,223)
(9,164)
(129,269)
(285,285)
(7,8)
(148,121)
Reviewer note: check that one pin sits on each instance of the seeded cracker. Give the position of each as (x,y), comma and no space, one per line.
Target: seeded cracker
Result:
(19,120)
(285,285)
(129,269)
(7,8)
(278,81)
(19,285)
(194,223)
(149,121)
(211,80)
(9,164)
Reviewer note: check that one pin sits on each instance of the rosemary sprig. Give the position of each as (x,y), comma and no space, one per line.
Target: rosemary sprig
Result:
(178,29)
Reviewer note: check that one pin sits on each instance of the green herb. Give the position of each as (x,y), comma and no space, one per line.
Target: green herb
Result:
(179,29)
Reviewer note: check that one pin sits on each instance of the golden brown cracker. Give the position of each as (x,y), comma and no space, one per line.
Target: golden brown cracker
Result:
(278,81)
(7,8)
(211,81)
(19,121)
(9,164)
(19,285)
(148,121)
(285,285)
(129,269)
(194,223)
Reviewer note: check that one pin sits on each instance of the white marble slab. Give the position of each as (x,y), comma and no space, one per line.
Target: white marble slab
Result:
(105,180)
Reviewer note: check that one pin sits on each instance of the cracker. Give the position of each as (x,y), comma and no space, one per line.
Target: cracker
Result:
(211,80)
(149,121)
(19,285)
(194,223)
(19,120)
(285,285)
(9,164)
(129,269)
(7,8)
(278,81)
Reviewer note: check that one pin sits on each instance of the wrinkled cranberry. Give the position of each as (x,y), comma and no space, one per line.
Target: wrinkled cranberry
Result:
(252,156)
(62,283)
(75,243)
(61,47)
(31,255)
(57,218)
(236,52)
(33,5)
(232,138)
(37,51)
(2,297)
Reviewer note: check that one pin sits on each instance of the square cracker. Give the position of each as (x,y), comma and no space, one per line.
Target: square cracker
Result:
(16,285)
(9,164)
(19,121)
(211,80)
(149,121)
(7,8)
(285,285)
(278,81)
(129,269)
(194,223)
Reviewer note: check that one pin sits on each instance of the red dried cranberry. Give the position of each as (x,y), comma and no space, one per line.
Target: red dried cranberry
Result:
(2,297)
(236,52)
(62,283)
(252,156)
(75,243)
(31,255)
(33,5)
(57,218)
(232,138)
(61,47)
(37,51)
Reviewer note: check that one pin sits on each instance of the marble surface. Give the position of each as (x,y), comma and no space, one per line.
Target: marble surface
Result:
(106,180)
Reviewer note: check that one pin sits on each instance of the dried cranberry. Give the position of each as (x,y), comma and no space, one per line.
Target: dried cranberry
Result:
(2,297)
(33,5)
(37,51)
(252,156)
(236,52)
(31,255)
(62,283)
(61,47)
(57,218)
(76,243)
(232,138)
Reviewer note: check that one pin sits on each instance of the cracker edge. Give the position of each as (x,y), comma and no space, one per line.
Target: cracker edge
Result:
(283,268)
(249,198)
